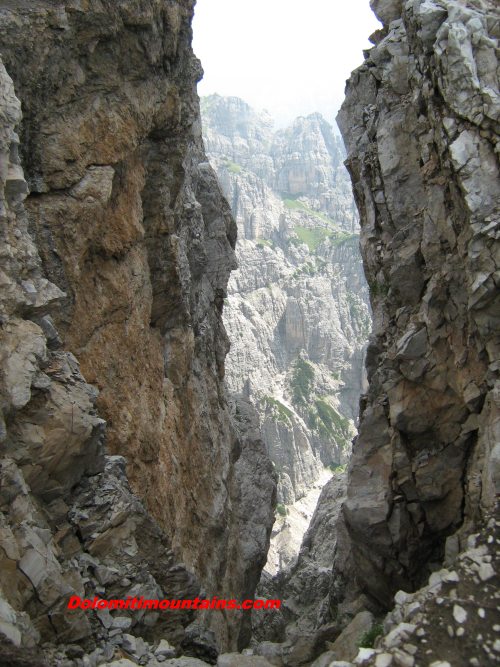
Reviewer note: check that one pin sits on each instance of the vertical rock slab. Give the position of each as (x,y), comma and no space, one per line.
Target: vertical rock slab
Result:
(420,122)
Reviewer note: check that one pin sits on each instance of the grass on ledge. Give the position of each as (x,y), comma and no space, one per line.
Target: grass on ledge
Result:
(232,167)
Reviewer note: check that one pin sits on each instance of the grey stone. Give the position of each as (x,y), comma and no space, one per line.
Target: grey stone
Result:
(383,660)
(274,305)
(164,649)
(328,659)
(459,614)
(400,633)
(387,10)
(238,660)
(346,646)
(184,662)
(422,295)
(53,417)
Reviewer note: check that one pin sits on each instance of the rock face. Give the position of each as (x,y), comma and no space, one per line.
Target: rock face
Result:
(117,245)
(116,249)
(69,522)
(297,313)
(290,526)
(452,620)
(420,122)
(305,587)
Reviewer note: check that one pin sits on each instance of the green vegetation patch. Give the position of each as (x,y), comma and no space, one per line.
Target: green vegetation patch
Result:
(232,167)
(311,237)
(278,410)
(330,422)
(308,268)
(368,639)
(314,236)
(337,467)
(378,289)
(265,242)
(297,205)
(301,382)
(281,509)
(341,237)
(332,231)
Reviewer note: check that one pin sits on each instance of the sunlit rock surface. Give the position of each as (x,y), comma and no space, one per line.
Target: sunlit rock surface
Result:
(296,313)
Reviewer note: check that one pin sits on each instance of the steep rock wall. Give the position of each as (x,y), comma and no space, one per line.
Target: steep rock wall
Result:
(120,256)
(420,122)
(69,522)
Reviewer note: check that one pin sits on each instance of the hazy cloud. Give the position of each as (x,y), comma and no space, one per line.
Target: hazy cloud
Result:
(291,57)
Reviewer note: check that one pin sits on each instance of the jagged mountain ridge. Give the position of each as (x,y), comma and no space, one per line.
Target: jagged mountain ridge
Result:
(296,312)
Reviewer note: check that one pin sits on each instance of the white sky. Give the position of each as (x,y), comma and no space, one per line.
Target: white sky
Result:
(291,57)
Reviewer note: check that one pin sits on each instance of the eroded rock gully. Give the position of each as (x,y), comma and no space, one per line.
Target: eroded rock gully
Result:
(114,270)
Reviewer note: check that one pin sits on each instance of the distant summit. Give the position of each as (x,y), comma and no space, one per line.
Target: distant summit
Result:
(303,160)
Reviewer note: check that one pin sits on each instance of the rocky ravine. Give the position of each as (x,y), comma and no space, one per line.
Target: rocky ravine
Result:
(297,310)
(121,201)
(116,250)
(421,126)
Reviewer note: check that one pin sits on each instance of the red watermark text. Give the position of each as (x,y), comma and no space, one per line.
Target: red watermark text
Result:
(76,602)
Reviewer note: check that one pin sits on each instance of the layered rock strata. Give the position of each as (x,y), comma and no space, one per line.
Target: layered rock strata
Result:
(420,122)
(117,247)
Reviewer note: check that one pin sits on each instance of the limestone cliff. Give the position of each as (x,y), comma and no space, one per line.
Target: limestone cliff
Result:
(420,122)
(117,245)
(297,312)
